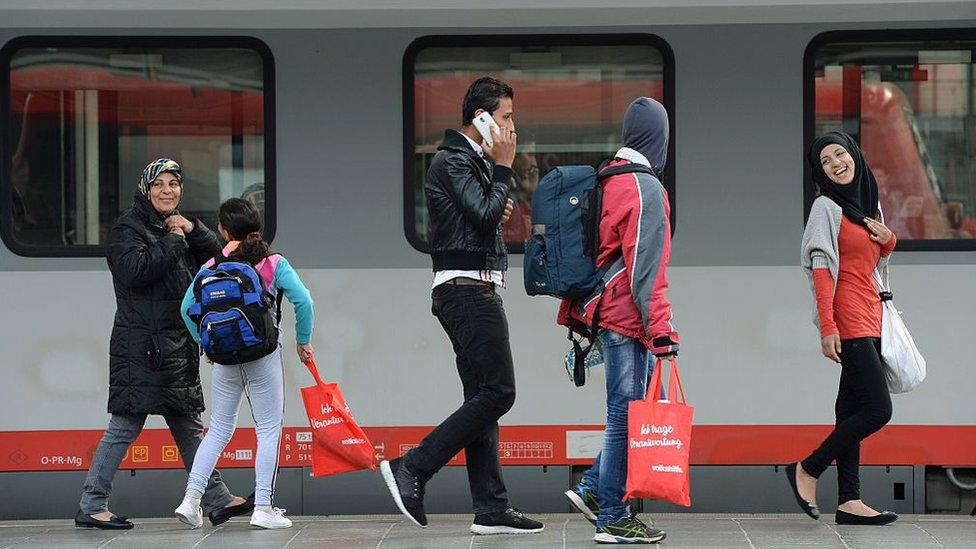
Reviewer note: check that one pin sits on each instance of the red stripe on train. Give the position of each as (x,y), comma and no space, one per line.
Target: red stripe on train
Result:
(520,445)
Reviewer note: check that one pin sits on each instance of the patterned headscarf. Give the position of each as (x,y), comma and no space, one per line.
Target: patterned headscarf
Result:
(155,168)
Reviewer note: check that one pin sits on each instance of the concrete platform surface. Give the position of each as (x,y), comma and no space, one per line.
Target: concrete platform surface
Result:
(451,531)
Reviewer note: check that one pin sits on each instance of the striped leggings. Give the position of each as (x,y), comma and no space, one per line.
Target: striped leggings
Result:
(263,382)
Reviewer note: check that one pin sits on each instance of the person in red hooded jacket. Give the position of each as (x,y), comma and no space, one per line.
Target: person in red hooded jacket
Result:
(635,314)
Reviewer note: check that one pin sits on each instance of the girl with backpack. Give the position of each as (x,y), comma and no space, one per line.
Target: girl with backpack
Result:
(261,379)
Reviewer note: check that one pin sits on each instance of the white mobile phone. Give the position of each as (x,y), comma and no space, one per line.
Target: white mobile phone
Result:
(487,127)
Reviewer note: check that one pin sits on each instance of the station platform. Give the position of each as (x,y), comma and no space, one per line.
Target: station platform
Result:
(451,531)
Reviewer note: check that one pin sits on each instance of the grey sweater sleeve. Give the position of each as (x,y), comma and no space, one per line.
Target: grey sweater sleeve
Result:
(819,245)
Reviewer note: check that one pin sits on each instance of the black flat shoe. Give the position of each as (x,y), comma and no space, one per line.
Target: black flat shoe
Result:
(224,514)
(809,508)
(115,523)
(880,519)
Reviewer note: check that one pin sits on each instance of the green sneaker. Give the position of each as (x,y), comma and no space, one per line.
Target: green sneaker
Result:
(628,530)
(585,502)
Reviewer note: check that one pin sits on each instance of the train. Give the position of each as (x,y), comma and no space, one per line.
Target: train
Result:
(326,114)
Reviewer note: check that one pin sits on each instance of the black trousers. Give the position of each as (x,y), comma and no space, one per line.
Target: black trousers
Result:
(863,407)
(475,322)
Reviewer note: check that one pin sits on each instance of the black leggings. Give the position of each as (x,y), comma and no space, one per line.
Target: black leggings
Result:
(863,407)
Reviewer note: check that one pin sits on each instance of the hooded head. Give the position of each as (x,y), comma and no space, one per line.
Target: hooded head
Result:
(646,131)
(859,197)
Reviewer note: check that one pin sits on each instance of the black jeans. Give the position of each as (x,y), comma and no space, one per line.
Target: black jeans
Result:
(474,320)
(863,407)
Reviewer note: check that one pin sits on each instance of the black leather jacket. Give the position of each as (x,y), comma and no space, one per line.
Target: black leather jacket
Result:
(465,200)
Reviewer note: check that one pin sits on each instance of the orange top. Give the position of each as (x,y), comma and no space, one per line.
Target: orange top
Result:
(854,310)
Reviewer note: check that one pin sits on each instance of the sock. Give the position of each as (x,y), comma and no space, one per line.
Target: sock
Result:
(264,508)
(193,496)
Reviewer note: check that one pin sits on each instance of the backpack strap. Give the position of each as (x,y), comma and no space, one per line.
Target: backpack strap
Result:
(603,172)
(580,353)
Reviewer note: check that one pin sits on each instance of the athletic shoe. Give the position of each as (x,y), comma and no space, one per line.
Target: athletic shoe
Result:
(509,521)
(189,512)
(271,520)
(407,490)
(585,502)
(629,529)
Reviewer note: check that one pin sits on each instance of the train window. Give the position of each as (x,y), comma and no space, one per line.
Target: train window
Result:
(909,98)
(84,115)
(571,92)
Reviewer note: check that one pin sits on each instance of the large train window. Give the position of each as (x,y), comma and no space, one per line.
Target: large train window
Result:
(83,116)
(909,97)
(571,92)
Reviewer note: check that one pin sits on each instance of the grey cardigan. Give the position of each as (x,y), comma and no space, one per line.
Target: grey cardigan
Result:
(819,247)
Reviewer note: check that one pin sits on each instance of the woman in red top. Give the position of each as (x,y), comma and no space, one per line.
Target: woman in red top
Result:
(849,311)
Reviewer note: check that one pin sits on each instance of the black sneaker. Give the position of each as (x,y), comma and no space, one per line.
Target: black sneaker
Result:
(628,530)
(509,521)
(407,490)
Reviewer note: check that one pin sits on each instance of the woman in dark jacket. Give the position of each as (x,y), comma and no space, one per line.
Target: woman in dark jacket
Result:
(153,255)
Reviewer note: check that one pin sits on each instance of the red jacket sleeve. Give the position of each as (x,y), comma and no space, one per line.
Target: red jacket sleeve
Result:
(645,233)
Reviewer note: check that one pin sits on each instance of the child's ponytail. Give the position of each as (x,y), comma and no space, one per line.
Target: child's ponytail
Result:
(241,219)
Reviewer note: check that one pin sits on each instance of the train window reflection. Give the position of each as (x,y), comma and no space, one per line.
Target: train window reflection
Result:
(83,116)
(910,99)
(570,96)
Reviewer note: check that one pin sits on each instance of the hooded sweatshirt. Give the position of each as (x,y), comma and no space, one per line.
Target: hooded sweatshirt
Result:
(634,226)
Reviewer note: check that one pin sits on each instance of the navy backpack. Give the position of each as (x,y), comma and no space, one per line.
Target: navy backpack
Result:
(237,317)
(560,256)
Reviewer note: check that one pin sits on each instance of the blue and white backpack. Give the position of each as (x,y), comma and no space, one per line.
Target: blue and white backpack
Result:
(237,318)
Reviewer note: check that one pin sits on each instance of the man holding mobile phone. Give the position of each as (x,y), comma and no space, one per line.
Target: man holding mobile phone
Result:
(467,198)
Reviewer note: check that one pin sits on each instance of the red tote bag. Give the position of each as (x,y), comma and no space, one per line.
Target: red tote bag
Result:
(659,443)
(338,444)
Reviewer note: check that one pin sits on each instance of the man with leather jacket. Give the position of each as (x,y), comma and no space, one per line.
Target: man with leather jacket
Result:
(467,197)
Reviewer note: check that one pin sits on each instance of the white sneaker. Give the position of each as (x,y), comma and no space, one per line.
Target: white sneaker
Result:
(188,513)
(271,520)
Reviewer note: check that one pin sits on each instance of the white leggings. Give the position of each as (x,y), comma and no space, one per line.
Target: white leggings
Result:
(263,381)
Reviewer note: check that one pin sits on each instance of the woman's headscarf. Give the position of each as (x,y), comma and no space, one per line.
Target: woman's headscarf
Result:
(156,167)
(859,199)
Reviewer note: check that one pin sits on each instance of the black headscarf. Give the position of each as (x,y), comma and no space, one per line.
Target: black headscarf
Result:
(859,199)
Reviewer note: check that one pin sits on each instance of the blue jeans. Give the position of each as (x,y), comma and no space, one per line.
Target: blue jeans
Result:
(628,366)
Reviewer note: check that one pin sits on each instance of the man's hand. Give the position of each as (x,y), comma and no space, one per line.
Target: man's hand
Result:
(178,220)
(668,358)
(509,208)
(830,347)
(503,150)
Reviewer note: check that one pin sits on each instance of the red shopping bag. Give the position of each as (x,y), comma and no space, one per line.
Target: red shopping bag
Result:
(659,443)
(338,444)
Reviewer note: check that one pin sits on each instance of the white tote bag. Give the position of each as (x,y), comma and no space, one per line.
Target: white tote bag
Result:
(904,365)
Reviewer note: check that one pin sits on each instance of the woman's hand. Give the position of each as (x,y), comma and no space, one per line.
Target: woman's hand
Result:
(176,229)
(178,220)
(830,347)
(305,352)
(879,233)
